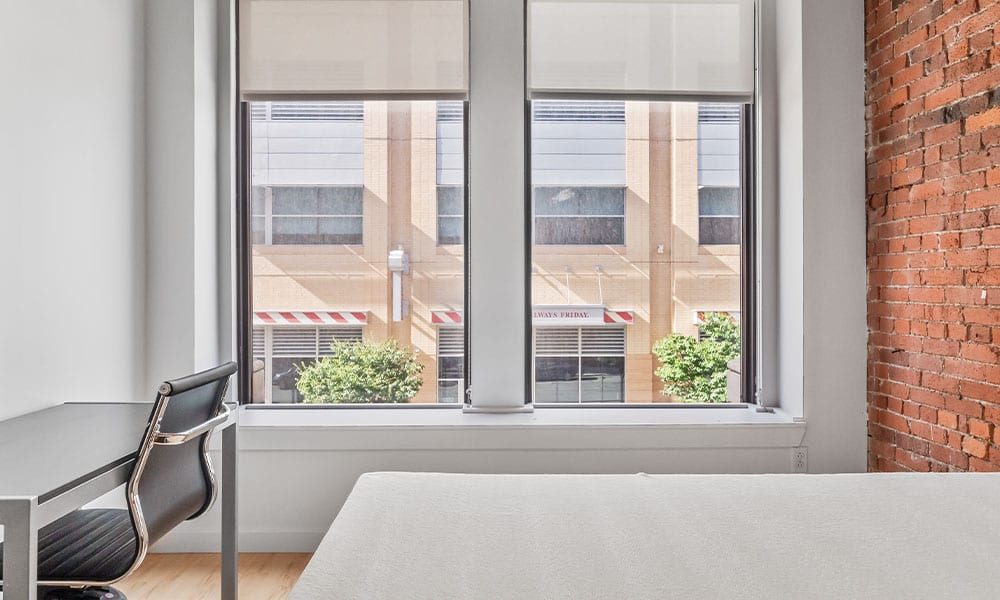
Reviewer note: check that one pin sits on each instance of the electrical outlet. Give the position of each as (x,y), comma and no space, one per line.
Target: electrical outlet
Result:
(800,460)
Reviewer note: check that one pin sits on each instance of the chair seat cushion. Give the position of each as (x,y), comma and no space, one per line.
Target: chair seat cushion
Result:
(85,545)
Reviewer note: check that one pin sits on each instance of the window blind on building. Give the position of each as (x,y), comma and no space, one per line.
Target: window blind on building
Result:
(258,342)
(680,48)
(310,342)
(451,341)
(338,47)
(330,335)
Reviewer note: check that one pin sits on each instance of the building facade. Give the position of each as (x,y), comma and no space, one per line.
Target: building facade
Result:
(357,212)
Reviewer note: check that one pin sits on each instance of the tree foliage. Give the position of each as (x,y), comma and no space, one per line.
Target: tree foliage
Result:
(362,373)
(693,370)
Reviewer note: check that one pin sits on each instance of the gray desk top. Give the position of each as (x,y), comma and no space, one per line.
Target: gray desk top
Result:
(46,452)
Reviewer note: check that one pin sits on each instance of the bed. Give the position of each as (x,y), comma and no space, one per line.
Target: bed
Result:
(437,536)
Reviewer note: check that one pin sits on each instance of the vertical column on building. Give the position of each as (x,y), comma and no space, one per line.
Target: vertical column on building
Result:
(376,220)
(399,229)
(661,233)
(427,288)
(638,240)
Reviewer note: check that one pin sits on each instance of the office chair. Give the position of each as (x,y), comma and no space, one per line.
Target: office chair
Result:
(83,553)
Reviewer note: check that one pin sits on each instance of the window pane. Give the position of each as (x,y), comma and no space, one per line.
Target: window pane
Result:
(284,378)
(602,379)
(629,266)
(579,201)
(326,329)
(450,230)
(557,379)
(450,201)
(719,201)
(582,231)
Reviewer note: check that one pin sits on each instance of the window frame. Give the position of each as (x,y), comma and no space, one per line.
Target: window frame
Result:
(490,53)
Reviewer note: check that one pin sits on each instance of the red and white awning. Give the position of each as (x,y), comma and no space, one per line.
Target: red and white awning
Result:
(610,317)
(310,317)
(623,317)
(446,317)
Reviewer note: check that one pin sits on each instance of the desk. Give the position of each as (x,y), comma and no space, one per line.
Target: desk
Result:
(56,460)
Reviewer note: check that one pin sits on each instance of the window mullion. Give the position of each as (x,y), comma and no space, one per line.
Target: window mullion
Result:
(497,248)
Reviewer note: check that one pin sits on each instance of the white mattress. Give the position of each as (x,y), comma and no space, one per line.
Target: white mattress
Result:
(436,536)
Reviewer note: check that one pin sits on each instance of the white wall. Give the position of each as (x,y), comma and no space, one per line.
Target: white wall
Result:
(71,207)
(821,337)
(182,220)
(834,283)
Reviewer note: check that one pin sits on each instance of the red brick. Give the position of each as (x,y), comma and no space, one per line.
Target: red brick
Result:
(990,118)
(933,234)
(974,447)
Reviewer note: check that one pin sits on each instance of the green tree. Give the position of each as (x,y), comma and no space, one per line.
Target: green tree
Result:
(693,370)
(360,373)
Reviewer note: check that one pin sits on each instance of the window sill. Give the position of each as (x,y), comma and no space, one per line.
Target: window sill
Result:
(546,428)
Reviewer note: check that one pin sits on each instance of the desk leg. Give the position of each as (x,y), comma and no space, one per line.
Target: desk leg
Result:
(230,505)
(20,556)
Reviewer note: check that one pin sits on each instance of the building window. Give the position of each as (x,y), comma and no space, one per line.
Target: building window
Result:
(580,216)
(450,167)
(322,173)
(579,364)
(308,215)
(283,350)
(451,364)
(450,211)
(719,195)
(578,172)
(718,216)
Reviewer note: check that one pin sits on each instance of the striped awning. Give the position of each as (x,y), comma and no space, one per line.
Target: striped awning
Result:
(624,317)
(454,317)
(311,317)
(446,317)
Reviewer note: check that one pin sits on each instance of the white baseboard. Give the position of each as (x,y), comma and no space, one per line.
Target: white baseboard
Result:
(250,541)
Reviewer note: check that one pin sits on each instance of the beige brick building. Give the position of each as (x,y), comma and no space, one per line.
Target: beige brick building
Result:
(390,174)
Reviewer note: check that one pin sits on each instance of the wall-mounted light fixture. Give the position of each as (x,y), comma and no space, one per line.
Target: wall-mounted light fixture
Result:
(399,263)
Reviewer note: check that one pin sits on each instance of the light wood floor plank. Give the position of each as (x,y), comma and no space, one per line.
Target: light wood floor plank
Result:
(196,577)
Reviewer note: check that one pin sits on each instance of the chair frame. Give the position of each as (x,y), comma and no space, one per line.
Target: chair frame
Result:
(155,437)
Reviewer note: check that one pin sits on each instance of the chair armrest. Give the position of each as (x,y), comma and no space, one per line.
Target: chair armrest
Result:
(180,437)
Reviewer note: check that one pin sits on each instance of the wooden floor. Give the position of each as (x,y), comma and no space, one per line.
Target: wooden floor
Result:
(196,577)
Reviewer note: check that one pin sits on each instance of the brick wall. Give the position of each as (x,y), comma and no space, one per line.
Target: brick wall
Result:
(933,234)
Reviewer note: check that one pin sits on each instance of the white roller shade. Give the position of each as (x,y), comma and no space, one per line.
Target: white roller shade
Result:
(337,47)
(683,48)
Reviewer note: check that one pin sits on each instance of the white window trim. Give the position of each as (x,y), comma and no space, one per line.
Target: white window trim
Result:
(498,308)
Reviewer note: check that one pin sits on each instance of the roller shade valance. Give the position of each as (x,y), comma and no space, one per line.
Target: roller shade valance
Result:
(678,48)
(353,47)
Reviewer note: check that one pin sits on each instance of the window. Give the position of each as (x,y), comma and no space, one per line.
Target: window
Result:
(283,350)
(308,215)
(719,195)
(451,364)
(579,216)
(684,173)
(450,170)
(634,172)
(578,168)
(323,174)
(579,364)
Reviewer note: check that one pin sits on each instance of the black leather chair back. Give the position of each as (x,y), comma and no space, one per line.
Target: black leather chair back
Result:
(173,480)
